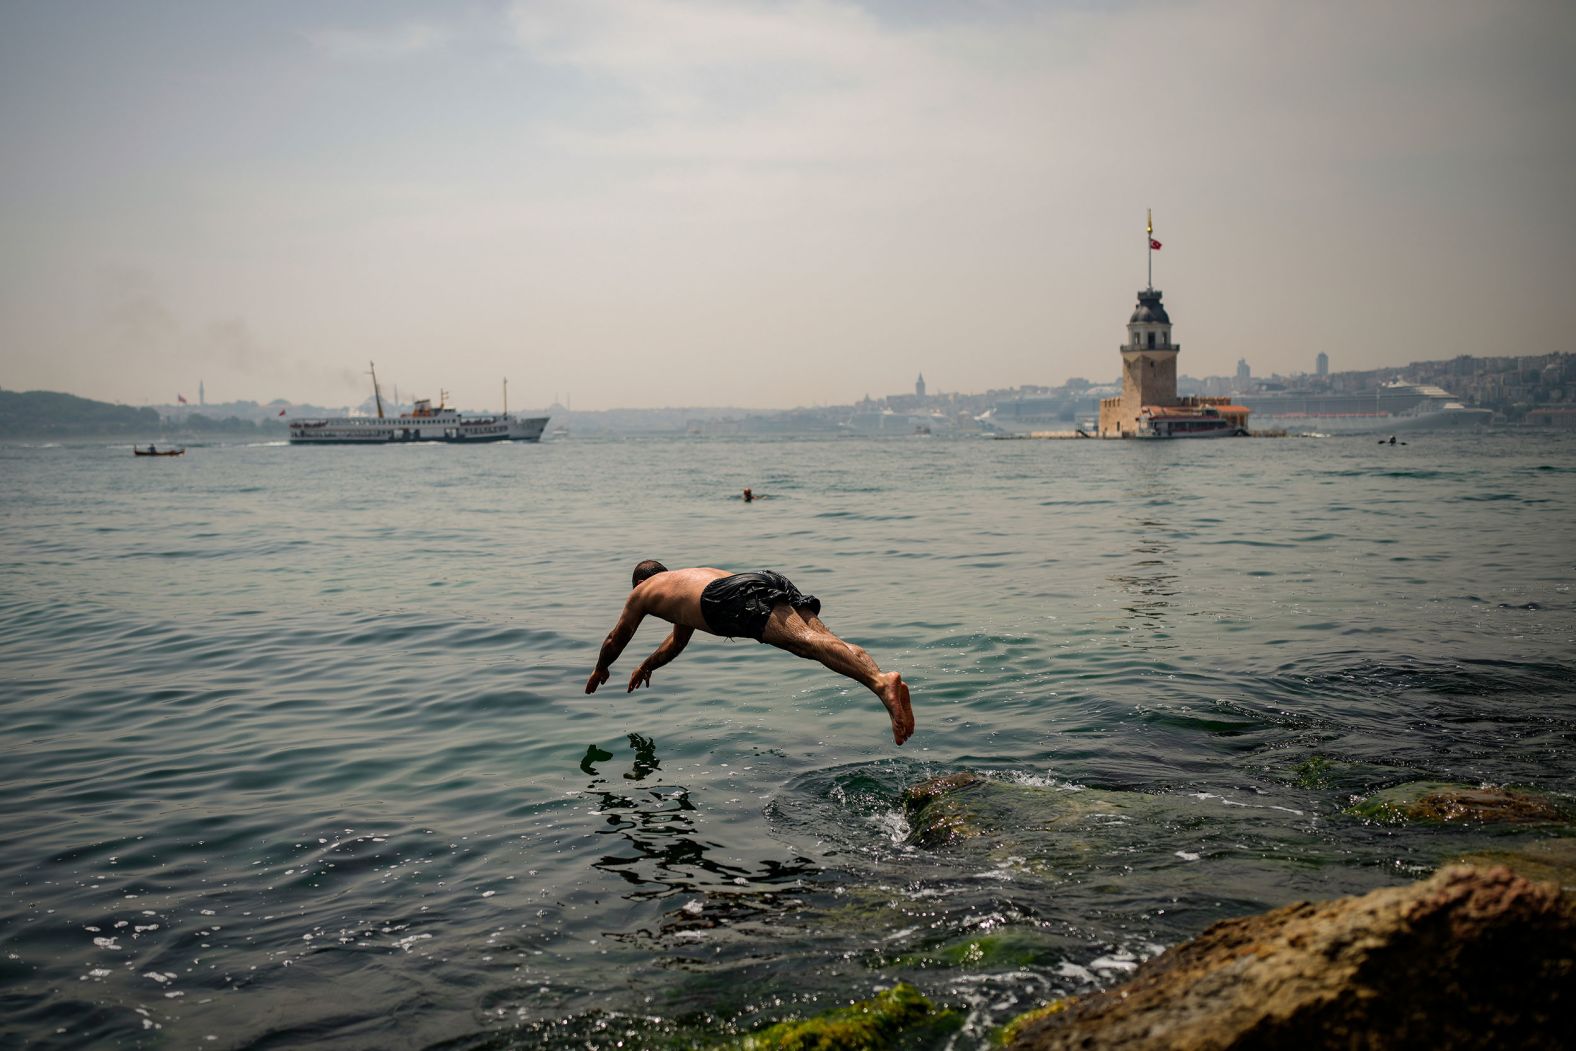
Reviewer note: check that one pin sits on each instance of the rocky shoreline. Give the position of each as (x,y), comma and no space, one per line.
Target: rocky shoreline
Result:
(1479,955)
(1482,954)
(1470,958)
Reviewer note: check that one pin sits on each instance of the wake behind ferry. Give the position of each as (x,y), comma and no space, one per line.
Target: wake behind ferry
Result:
(421,424)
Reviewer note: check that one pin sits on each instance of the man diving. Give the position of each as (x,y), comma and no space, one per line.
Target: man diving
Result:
(764,606)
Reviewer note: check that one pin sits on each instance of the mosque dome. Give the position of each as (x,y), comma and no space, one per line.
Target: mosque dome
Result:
(1149,311)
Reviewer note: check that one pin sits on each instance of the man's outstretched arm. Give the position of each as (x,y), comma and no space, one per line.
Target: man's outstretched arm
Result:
(615,642)
(671,647)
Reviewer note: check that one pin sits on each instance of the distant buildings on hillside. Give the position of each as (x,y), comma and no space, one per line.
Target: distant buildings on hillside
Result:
(1535,390)
(1513,387)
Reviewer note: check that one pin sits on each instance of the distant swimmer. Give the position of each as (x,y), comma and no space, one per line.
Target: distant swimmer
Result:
(748,496)
(763,606)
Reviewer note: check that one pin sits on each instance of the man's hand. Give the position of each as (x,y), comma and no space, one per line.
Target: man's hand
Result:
(642,677)
(598,677)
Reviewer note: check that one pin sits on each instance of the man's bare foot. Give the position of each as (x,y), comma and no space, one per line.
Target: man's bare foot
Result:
(894,694)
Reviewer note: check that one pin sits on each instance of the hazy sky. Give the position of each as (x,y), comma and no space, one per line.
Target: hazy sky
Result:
(642,203)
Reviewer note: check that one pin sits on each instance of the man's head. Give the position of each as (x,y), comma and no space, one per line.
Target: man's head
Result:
(645,571)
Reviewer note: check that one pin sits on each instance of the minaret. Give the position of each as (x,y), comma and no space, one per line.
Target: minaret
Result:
(202,394)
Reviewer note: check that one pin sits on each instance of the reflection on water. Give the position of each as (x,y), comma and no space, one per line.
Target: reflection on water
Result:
(1150,584)
(662,852)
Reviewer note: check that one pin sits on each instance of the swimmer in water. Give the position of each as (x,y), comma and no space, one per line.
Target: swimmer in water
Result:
(763,606)
(748,496)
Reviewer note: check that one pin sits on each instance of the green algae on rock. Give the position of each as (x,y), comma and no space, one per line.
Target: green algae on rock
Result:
(1009,1033)
(882,1021)
(1015,947)
(1439,802)
(1313,772)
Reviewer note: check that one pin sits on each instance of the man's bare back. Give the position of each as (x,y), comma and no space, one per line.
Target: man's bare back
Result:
(675,596)
(739,608)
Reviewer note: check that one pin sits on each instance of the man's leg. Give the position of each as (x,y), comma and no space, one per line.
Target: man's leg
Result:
(805,636)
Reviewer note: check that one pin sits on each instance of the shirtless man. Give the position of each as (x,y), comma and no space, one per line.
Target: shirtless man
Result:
(763,606)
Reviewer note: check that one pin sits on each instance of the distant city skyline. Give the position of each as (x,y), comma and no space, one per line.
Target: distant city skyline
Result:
(1243,374)
(766,205)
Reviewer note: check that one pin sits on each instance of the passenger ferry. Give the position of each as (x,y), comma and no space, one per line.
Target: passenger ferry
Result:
(421,424)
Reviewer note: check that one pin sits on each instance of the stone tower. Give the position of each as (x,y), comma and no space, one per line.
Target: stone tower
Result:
(1149,368)
(919,386)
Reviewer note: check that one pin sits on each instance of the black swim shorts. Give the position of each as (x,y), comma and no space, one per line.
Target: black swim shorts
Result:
(740,605)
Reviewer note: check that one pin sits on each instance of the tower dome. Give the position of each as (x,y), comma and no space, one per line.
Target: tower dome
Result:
(1149,311)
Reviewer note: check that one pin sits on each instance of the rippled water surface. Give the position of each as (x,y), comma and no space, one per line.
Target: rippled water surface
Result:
(296,749)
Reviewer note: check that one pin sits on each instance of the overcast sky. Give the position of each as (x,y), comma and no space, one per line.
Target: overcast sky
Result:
(645,203)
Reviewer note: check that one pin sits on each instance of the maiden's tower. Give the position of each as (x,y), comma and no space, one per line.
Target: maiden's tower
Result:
(1149,406)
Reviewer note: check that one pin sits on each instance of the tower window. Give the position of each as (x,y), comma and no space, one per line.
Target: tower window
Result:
(1151,340)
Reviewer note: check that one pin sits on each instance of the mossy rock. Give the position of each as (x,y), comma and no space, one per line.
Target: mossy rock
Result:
(1437,802)
(883,1021)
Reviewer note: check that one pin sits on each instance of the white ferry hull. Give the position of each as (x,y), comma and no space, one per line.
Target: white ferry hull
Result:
(442,427)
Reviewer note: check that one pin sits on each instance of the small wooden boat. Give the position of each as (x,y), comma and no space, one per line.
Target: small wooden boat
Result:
(151,451)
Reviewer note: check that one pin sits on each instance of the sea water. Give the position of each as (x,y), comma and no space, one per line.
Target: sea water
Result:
(296,749)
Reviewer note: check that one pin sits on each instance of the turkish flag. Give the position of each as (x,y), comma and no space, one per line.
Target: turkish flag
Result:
(181,398)
(281,412)
(1154,246)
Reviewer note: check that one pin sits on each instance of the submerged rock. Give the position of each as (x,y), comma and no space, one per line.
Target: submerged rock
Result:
(935,816)
(1543,860)
(1438,802)
(1063,828)
(1471,958)
(1038,821)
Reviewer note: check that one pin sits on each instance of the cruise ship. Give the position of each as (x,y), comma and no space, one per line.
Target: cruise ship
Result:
(1390,408)
(423,423)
